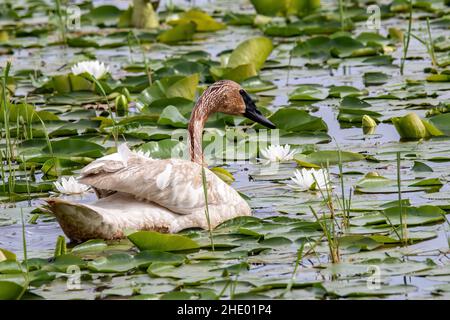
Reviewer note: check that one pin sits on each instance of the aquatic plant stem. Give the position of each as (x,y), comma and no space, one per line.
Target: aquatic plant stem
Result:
(49,144)
(24,162)
(341,180)
(294,272)
(115,130)
(62,26)
(331,234)
(334,254)
(205,192)
(60,247)
(148,70)
(408,38)
(430,46)
(341,14)
(400,202)
(130,47)
(25,257)
(289,68)
(3,172)
(9,150)
(392,226)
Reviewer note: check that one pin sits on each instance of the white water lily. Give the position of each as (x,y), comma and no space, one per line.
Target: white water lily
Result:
(304,179)
(70,186)
(278,153)
(95,68)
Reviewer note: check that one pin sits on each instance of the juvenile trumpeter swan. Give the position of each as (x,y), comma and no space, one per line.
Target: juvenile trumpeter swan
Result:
(140,193)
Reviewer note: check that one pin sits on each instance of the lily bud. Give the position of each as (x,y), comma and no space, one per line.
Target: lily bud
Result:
(121,103)
(126,93)
(411,126)
(4,37)
(372,174)
(369,130)
(396,34)
(368,122)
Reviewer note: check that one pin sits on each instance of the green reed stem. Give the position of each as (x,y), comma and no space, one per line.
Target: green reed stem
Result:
(102,90)
(430,45)
(61,247)
(61,21)
(2,168)
(148,70)
(49,144)
(330,232)
(289,68)
(25,257)
(345,209)
(222,292)
(332,242)
(130,46)
(392,226)
(341,14)
(205,192)
(294,272)
(400,202)
(24,162)
(9,149)
(408,38)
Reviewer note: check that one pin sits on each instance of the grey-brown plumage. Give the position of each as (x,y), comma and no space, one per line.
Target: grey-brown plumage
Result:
(167,195)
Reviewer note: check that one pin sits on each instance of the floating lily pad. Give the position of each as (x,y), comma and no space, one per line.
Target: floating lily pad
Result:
(324,158)
(148,240)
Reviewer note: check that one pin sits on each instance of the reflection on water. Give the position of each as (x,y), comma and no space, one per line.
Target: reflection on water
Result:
(40,237)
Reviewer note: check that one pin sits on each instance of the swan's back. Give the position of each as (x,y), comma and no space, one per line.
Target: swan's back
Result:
(174,184)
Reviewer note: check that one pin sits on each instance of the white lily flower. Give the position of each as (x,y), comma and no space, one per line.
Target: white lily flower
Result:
(145,154)
(95,68)
(277,153)
(304,179)
(70,186)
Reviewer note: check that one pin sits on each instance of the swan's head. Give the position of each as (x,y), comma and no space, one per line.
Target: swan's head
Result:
(228,97)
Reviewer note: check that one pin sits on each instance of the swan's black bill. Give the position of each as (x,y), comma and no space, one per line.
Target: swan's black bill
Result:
(252,113)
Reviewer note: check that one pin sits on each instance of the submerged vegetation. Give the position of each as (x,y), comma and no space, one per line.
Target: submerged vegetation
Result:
(354,179)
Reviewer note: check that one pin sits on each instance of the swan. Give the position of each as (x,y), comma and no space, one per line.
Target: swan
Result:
(165,195)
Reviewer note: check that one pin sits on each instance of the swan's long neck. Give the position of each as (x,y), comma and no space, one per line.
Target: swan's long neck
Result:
(200,113)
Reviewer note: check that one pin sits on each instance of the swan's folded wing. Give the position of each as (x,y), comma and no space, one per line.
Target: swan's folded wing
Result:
(110,163)
(172,183)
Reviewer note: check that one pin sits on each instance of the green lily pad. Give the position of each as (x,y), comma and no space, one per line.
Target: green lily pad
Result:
(343,289)
(203,21)
(145,258)
(252,51)
(119,262)
(306,92)
(172,117)
(181,32)
(164,149)
(292,119)
(322,158)
(149,240)
(94,245)
(10,290)
(375,78)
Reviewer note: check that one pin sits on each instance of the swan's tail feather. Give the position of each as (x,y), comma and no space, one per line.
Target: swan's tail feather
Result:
(81,222)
